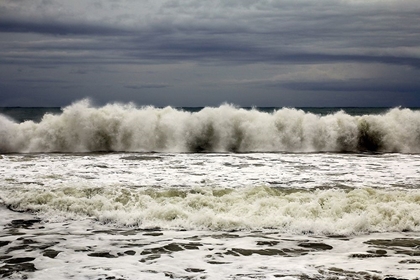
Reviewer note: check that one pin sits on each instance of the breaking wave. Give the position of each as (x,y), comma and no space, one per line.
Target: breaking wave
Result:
(333,211)
(116,127)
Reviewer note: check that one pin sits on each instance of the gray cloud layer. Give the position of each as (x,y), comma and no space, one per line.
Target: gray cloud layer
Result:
(208,52)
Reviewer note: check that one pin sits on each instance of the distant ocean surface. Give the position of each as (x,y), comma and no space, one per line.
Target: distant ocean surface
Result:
(127,192)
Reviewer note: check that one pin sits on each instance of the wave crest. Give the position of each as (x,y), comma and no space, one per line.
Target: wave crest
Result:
(125,127)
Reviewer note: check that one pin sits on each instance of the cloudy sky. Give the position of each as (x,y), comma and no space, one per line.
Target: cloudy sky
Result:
(205,53)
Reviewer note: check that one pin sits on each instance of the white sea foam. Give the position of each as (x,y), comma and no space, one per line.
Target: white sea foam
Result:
(115,127)
(200,254)
(242,215)
(322,193)
(321,211)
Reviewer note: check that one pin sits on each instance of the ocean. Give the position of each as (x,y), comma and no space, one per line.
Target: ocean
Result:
(128,192)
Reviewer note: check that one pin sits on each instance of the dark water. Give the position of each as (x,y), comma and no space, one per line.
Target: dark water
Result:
(21,114)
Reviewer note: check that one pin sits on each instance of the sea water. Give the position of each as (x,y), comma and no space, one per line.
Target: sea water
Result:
(126,192)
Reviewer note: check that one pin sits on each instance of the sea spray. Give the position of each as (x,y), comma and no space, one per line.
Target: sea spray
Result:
(127,128)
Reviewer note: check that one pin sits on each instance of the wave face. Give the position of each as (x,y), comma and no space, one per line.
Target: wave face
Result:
(116,127)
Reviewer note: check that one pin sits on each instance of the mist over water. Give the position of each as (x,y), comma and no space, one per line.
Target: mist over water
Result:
(118,127)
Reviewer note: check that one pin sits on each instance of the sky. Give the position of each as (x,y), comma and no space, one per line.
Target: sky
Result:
(205,53)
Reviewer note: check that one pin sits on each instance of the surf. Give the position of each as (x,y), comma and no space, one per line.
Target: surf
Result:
(81,127)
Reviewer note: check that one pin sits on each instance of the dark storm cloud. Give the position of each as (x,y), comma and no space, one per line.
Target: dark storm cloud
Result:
(163,48)
(146,86)
(353,85)
(293,32)
(55,27)
(216,34)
